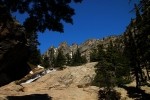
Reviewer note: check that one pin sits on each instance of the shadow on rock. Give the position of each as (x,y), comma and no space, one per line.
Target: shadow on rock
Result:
(31,97)
(136,93)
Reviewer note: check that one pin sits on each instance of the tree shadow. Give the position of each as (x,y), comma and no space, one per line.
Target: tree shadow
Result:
(30,97)
(136,93)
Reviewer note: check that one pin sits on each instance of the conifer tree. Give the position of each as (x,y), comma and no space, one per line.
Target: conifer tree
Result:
(40,15)
(98,53)
(132,51)
(144,35)
(45,62)
(138,42)
(35,55)
(68,59)
(112,67)
(60,60)
(52,57)
(93,55)
(77,59)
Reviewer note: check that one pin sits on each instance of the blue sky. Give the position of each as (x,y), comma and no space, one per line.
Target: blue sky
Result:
(94,19)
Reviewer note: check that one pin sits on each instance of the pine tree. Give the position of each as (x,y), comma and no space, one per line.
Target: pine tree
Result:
(118,62)
(60,60)
(113,67)
(68,59)
(77,59)
(84,60)
(104,76)
(132,51)
(45,62)
(94,55)
(41,14)
(138,42)
(52,57)
(144,36)
(97,54)
(35,55)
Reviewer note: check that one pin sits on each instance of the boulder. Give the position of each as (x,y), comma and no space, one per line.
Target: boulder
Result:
(14,53)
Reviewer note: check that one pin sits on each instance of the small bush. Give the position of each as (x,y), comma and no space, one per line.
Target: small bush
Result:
(109,95)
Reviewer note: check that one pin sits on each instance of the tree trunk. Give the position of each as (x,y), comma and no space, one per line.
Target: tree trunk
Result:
(147,71)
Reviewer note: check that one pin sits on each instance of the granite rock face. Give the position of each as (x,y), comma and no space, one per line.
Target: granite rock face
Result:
(71,83)
(14,52)
(85,48)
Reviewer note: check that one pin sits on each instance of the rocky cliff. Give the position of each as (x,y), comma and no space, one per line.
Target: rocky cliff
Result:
(84,48)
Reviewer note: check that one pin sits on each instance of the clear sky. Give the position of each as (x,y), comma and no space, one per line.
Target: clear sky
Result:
(94,19)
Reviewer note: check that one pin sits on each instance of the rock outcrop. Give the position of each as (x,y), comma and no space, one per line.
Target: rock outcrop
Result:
(84,48)
(72,83)
(14,52)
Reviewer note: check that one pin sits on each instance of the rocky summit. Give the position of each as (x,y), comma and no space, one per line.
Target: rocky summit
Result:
(85,48)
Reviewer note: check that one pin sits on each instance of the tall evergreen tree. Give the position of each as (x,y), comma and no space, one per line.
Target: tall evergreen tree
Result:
(98,53)
(52,57)
(118,63)
(45,62)
(112,68)
(68,59)
(35,55)
(77,59)
(93,55)
(144,35)
(138,41)
(132,49)
(60,60)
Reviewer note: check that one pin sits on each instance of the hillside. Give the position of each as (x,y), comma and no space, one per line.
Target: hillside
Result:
(72,83)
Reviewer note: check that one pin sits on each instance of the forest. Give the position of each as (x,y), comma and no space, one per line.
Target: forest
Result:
(122,61)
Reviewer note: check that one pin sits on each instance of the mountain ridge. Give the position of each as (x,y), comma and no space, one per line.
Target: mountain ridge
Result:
(85,48)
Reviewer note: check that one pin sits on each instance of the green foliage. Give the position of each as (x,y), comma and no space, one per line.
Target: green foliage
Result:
(93,55)
(110,72)
(45,62)
(68,59)
(84,60)
(35,55)
(104,75)
(112,69)
(97,54)
(60,60)
(109,95)
(52,57)
(137,41)
(77,59)
(42,14)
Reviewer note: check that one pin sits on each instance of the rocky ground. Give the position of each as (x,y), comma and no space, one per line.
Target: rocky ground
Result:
(72,83)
